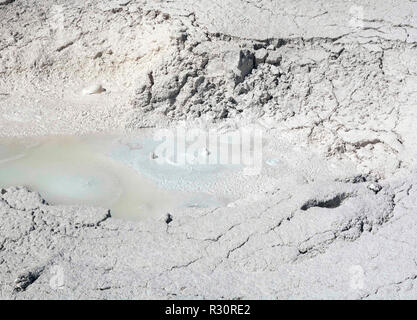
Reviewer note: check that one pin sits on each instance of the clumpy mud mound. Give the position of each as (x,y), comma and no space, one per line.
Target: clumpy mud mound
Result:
(339,98)
(346,95)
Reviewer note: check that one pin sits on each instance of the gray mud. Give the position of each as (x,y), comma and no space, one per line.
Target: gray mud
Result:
(332,85)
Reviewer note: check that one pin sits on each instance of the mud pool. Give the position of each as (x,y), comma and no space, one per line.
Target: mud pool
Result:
(117,173)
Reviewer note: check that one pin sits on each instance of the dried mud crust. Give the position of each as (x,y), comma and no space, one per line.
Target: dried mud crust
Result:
(345,100)
(262,247)
(310,75)
(348,95)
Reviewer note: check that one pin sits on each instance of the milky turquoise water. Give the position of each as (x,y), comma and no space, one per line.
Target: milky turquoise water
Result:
(95,171)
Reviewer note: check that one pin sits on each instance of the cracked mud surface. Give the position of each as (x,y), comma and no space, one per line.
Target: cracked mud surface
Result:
(337,86)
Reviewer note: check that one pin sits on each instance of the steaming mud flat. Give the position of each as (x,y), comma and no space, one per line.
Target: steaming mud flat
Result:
(94,171)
